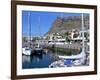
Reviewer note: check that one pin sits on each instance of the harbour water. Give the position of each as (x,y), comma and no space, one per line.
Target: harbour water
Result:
(38,60)
(43,60)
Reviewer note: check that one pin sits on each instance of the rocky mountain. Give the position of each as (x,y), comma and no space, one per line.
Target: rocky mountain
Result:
(62,25)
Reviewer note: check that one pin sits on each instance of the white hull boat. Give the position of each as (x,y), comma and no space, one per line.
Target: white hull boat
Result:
(81,57)
(26,51)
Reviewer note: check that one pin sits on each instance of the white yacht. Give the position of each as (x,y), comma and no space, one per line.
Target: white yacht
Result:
(27,50)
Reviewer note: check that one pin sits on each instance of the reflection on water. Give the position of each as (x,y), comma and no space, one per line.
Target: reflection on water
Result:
(37,60)
(42,60)
(26,59)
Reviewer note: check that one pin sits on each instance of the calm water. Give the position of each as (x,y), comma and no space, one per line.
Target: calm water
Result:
(42,60)
(37,61)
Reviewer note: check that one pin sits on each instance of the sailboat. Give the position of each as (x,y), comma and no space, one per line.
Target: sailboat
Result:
(80,58)
(37,48)
(27,49)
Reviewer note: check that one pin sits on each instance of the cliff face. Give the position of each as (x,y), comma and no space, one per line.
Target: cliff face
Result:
(62,25)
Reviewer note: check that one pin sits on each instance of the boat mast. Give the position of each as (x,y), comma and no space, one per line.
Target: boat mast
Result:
(39,26)
(29,30)
(82,33)
(61,15)
(39,30)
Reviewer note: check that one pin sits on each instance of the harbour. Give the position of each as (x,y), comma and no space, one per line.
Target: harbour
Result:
(58,49)
(50,58)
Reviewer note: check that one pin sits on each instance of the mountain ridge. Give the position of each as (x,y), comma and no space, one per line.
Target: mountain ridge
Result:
(62,25)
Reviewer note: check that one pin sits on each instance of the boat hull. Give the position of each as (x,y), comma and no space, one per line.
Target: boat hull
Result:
(26,52)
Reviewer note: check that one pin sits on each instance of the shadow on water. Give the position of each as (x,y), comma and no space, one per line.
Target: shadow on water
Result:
(37,60)
(37,55)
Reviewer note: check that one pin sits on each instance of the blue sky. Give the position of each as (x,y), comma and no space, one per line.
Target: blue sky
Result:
(46,21)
